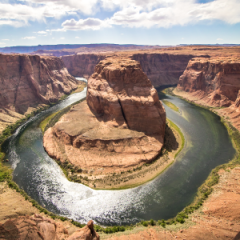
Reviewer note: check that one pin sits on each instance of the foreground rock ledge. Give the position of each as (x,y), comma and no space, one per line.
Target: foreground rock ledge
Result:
(38,227)
(121,125)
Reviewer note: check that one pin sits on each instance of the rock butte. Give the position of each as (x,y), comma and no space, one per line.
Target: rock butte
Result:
(121,124)
(27,81)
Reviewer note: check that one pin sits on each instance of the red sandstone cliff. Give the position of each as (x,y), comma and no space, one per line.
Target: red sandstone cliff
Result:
(232,113)
(122,124)
(215,81)
(27,81)
(82,65)
(162,68)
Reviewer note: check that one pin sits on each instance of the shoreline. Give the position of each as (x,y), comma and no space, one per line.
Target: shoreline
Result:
(130,178)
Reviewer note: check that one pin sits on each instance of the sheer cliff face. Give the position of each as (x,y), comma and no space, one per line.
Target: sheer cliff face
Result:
(26,81)
(121,125)
(215,81)
(163,69)
(120,91)
(82,65)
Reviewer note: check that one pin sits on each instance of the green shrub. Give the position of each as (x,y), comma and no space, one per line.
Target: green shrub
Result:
(144,223)
(180,220)
(152,222)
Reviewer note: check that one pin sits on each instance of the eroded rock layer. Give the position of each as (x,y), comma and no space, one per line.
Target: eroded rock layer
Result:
(163,69)
(38,227)
(82,65)
(232,113)
(27,81)
(121,125)
(215,81)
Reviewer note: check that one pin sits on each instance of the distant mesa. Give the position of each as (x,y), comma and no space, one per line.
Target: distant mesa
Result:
(121,125)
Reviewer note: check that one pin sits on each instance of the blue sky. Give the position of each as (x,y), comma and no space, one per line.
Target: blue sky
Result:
(148,22)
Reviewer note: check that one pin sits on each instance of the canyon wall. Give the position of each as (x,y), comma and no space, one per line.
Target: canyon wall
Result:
(82,65)
(214,82)
(217,82)
(110,131)
(163,69)
(27,81)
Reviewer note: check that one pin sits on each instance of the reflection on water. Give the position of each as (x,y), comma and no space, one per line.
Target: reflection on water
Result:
(207,145)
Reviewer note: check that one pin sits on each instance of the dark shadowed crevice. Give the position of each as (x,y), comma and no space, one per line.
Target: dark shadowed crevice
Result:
(123,114)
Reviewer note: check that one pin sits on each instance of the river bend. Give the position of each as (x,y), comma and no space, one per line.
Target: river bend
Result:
(207,146)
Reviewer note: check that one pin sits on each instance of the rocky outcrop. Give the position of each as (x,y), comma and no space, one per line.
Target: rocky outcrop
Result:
(85,233)
(82,65)
(232,113)
(38,227)
(27,81)
(121,125)
(163,68)
(215,81)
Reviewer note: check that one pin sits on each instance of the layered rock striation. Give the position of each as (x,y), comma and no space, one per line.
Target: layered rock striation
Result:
(163,68)
(232,113)
(121,125)
(215,81)
(82,65)
(27,81)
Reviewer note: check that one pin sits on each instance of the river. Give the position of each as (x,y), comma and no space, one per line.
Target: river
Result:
(207,146)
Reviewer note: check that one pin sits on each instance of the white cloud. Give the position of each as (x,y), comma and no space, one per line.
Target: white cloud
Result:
(128,13)
(219,39)
(83,24)
(2,43)
(29,38)
(41,32)
(171,13)
(5,39)
(18,15)
(86,7)
(77,37)
(62,38)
